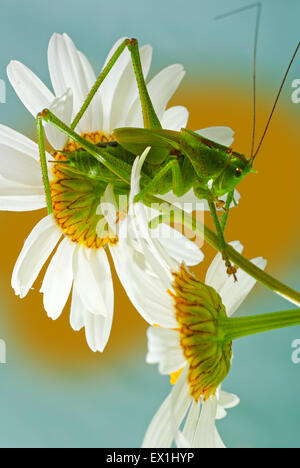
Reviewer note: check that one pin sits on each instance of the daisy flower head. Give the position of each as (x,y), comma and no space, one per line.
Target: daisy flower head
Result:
(186,341)
(72,234)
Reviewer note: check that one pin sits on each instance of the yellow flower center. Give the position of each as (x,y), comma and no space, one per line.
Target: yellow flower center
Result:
(76,197)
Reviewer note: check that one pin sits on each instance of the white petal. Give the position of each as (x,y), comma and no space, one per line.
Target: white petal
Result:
(18,197)
(228,400)
(110,84)
(97,327)
(188,202)
(58,279)
(175,118)
(62,108)
(36,250)
(164,348)
(178,246)
(222,135)
(161,88)
(17,167)
(161,430)
(205,432)
(30,89)
(93,280)
(67,71)
(19,142)
(126,90)
(191,423)
(143,289)
(97,330)
(77,311)
(95,108)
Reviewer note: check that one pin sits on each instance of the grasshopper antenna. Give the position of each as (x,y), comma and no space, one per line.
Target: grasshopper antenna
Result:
(275,103)
(258,7)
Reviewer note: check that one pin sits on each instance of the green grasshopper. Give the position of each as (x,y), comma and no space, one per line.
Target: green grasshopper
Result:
(177,161)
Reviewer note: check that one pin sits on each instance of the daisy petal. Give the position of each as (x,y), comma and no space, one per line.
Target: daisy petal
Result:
(22,202)
(16,166)
(18,197)
(161,88)
(228,400)
(143,289)
(175,118)
(205,432)
(97,327)
(37,248)
(164,348)
(110,84)
(76,315)
(222,135)
(93,294)
(30,89)
(191,423)
(96,104)
(58,280)
(67,71)
(19,142)
(97,330)
(178,246)
(62,108)
(188,202)
(161,430)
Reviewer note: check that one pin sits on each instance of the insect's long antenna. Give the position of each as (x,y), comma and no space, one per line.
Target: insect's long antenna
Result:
(275,103)
(258,6)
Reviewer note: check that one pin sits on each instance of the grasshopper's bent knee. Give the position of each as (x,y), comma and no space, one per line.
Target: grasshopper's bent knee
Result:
(43,159)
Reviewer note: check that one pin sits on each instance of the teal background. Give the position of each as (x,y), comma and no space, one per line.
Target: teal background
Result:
(44,407)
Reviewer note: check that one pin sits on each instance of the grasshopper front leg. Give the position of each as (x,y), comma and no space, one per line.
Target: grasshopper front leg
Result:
(230,198)
(177,180)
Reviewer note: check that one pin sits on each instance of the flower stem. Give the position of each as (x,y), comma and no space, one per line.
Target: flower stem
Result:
(191,222)
(238,327)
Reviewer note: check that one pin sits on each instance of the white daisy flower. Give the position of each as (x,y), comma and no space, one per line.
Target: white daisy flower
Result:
(181,308)
(79,265)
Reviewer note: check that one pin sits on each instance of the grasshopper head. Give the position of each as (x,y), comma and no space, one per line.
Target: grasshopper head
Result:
(238,166)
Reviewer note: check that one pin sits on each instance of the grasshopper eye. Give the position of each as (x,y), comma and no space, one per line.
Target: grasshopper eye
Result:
(238,172)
